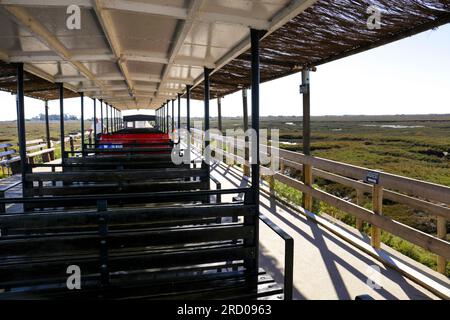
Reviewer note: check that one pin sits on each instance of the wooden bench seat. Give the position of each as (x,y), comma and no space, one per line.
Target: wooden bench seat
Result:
(146,253)
(97,182)
(119,158)
(39,149)
(10,160)
(7,184)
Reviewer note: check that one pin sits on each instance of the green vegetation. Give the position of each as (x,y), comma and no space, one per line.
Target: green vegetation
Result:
(411,146)
(408,249)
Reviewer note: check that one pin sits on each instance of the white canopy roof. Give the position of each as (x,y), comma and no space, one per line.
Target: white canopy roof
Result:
(134,54)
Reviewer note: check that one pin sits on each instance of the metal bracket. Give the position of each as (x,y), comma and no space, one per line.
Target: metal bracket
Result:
(304,89)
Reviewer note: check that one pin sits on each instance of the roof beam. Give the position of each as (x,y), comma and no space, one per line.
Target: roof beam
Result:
(45,36)
(143,77)
(192,61)
(185,81)
(44,75)
(193,12)
(108,88)
(70,79)
(38,72)
(154,57)
(110,77)
(147,8)
(110,33)
(146,77)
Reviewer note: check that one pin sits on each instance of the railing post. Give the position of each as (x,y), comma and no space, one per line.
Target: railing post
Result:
(72,145)
(441,224)
(377,204)
(307,200)
(282,166)
(359,202)
(308,180)
(272,184)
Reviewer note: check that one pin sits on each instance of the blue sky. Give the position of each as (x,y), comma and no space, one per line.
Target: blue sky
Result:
(411,76)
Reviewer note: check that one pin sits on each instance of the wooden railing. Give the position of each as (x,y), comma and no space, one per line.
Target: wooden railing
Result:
(428,197)
(73,141)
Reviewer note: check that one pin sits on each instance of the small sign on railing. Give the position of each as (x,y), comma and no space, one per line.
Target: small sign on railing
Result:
(372,177)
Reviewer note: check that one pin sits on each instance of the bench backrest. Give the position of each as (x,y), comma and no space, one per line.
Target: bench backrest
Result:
(97,182)
(6,151)
(38,144)
(141,248)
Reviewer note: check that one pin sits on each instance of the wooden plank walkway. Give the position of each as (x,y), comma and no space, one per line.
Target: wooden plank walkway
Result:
(325,266)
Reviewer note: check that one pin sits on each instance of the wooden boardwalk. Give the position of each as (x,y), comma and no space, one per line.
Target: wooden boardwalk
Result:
(325,266)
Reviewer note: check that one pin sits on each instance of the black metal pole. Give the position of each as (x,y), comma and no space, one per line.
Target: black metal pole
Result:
(95,121)
(188,108)
(162,118)
(61,118)
(47,126)
(167,116)
(179,112)
(20,104)
(82,123)
(219,113)
(255,36)
(161,124)
(255,79)
(107,118)
(112,118)
(101,115)
(206,84)
(115,120)
(173,115)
